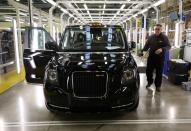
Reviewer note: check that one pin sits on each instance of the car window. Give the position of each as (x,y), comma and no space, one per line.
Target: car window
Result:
(93,38)
(38,38)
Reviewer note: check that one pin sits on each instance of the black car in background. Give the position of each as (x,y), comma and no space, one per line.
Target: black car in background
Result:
(91,68)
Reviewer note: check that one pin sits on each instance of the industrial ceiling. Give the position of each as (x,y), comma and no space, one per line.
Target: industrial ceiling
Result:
(85,11)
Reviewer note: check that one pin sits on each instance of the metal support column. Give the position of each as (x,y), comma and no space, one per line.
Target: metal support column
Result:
(16,46)
(30,12)
(69,20)
(144,30)
(51,20)
(40,18)
(19,34)
(136,35)
(130,30)
(181,24)
(73,21)
(166,30)
(157,14)
(62,22)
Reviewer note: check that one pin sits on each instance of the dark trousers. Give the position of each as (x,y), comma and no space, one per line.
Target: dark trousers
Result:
(154,63)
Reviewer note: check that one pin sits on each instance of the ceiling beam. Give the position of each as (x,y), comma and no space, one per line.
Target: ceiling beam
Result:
(109,2)
(101,9)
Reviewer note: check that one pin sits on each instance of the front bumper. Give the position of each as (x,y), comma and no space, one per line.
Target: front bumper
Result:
(123,98)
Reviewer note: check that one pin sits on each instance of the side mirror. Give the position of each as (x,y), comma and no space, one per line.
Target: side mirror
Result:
(133,44)
(51,45)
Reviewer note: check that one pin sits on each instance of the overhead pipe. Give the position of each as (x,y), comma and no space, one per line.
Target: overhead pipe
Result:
(51,20)
(157,14)
(30,12)
(70,17)
(62,22)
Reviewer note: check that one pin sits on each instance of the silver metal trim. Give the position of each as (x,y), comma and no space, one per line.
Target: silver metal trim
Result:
(62,107)
(7,64)
(93,52)
(68,78)
(104,96)
(81,52)
(122,105)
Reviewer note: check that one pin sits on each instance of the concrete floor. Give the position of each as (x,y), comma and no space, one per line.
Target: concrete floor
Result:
(22,109)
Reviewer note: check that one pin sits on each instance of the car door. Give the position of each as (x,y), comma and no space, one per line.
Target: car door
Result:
(36,56)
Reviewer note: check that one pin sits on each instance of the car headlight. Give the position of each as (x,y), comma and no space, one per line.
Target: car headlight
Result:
(52,76)
(127,75)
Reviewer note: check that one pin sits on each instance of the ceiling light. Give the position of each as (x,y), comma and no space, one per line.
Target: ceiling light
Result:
(85,6)
(51,2)
(159,3)
(144,10)
(122,7)
(104,6)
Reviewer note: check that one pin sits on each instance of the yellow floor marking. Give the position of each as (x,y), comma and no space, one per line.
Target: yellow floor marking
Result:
(10,79)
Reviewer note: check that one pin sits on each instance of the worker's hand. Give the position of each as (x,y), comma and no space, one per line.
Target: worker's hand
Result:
(158,51)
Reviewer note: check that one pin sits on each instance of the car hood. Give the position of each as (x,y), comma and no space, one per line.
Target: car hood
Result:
(93,61)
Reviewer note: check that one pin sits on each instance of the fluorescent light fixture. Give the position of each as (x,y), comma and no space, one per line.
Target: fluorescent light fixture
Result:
(35,17)
(122,7)
(71,15)
(103,8)
(62,9)
(44,20)
(8,20)
(135,15)
(145,10)
(85,6)
(51,2)
(7,17)
(159,3)
(24,14)
(44,1)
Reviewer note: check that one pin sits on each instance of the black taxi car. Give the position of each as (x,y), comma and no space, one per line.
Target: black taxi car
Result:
(91,68)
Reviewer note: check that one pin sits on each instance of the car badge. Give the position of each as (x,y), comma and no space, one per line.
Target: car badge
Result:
(90,63)
(99,75)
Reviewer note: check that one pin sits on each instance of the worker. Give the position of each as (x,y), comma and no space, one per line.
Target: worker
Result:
(156,46)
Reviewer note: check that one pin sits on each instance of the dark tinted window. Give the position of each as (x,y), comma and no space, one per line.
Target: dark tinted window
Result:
(93,38)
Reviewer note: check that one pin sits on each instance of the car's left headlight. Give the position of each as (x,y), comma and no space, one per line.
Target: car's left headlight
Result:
(128,74)
(52,76)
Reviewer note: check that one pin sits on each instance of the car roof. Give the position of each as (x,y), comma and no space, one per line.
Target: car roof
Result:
(96,26)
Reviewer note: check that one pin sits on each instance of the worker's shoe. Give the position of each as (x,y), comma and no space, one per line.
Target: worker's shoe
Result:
(158,89)
(148,85)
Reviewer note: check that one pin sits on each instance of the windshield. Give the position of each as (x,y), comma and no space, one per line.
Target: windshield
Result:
(93,38)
